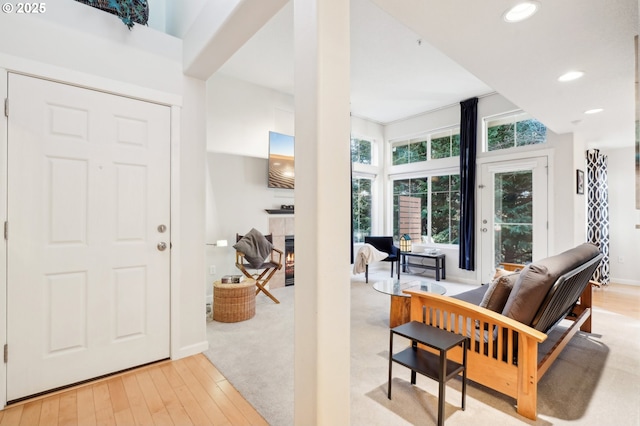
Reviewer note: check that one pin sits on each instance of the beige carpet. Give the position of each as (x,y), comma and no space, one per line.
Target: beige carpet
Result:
(595,381)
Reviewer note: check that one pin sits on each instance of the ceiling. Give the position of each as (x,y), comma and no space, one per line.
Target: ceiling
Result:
(408,58)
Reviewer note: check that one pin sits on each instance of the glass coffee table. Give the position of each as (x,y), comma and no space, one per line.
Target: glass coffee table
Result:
(399,312)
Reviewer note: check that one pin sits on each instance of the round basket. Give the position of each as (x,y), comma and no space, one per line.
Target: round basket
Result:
(234,302)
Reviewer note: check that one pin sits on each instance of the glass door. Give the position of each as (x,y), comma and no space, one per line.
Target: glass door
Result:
(513,213)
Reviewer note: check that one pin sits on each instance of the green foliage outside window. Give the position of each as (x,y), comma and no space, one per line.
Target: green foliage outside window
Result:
(503,135)
(444,210)
(361,151)
(445,146)
(418,188)
(412,152)
(514,217)
(361,195)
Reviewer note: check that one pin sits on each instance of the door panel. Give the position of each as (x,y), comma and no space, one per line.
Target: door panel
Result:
(513,212)
(88,185)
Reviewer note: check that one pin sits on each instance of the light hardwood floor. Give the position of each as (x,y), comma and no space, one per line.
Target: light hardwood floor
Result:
(190,391)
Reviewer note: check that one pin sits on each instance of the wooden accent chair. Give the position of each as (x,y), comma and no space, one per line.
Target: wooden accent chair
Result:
(259,268)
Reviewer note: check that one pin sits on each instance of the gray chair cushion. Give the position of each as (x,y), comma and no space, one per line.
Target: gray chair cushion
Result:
(255,248)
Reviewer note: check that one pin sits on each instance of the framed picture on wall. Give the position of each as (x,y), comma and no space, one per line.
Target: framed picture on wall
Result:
(579,182)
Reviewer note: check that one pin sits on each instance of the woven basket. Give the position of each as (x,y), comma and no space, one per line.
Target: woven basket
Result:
(234,302)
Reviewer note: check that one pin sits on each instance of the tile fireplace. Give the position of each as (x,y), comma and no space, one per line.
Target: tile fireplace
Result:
(282,227)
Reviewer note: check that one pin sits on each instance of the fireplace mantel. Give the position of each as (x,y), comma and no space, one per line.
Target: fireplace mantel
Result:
(279,211)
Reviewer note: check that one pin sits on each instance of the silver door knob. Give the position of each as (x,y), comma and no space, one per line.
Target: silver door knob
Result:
(162,246)
(484,229)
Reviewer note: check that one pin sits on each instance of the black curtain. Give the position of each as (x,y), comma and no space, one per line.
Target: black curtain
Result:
(468,135)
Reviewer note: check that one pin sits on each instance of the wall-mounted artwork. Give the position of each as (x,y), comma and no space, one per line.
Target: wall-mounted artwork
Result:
(281,161)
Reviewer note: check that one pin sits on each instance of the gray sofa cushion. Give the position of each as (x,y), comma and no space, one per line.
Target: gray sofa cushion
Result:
(472,296)
(498,292)
(537,278)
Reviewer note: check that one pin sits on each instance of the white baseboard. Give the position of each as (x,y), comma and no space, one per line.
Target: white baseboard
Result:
(624,281)
(190,350)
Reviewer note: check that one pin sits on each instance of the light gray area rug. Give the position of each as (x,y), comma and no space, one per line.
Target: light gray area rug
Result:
(595,381)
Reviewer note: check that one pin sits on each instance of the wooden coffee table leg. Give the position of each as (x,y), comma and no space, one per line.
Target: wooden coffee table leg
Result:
(400,311)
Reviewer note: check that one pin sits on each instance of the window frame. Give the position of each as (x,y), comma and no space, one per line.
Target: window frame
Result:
(429,172)
(373,161)
(511,117)
(372,201)
(426,137)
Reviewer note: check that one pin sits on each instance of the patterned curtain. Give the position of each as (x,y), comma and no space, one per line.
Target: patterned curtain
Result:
(598,211)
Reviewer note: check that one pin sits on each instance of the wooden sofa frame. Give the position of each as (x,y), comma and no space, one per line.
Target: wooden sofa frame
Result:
(506,360)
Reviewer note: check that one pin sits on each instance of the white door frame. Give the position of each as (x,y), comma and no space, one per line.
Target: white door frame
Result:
(497,160)
(3,244)
(87,81)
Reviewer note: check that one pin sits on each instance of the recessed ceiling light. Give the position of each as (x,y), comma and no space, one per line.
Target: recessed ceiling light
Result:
(594,111)
(521,11)
(571,75)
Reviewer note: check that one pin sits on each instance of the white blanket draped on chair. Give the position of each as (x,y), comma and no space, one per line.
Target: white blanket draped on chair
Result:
(366,255)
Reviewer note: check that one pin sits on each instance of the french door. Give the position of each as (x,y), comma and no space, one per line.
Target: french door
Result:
(513,212)
(88,234)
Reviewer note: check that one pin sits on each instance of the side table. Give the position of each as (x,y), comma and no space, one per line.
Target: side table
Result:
(439,264)
(234,302)
(428,364)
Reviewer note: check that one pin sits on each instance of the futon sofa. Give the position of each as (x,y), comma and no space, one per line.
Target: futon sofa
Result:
(507,319)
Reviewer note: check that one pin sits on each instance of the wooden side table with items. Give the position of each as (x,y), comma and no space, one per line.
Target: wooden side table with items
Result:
(436,367)
(234,302)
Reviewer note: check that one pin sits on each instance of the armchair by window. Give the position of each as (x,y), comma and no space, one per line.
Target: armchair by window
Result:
(384,244)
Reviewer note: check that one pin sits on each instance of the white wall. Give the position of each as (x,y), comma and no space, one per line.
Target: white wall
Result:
(237,196)
(77,37)
(240,116)
(624,245)
(84,46)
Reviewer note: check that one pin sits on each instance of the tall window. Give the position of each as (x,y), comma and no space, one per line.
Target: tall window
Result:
(445,208)
(361,151)
(417,188)
(514,130)
(440,205)
(361,193)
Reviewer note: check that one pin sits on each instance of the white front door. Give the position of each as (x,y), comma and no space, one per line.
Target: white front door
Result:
(88,212)
(513,212)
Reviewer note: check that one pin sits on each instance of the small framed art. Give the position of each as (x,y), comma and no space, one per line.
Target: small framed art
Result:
(579,182)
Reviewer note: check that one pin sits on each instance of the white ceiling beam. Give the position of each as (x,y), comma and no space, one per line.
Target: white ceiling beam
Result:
(220,30)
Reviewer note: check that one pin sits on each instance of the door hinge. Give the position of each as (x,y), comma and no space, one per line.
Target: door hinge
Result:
(6,230)
(6,107)
(6,353)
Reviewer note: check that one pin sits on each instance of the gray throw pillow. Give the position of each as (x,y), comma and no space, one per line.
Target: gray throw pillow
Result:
(255,248)
(498,292)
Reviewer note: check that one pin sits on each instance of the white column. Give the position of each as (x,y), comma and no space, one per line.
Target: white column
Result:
(322,227)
